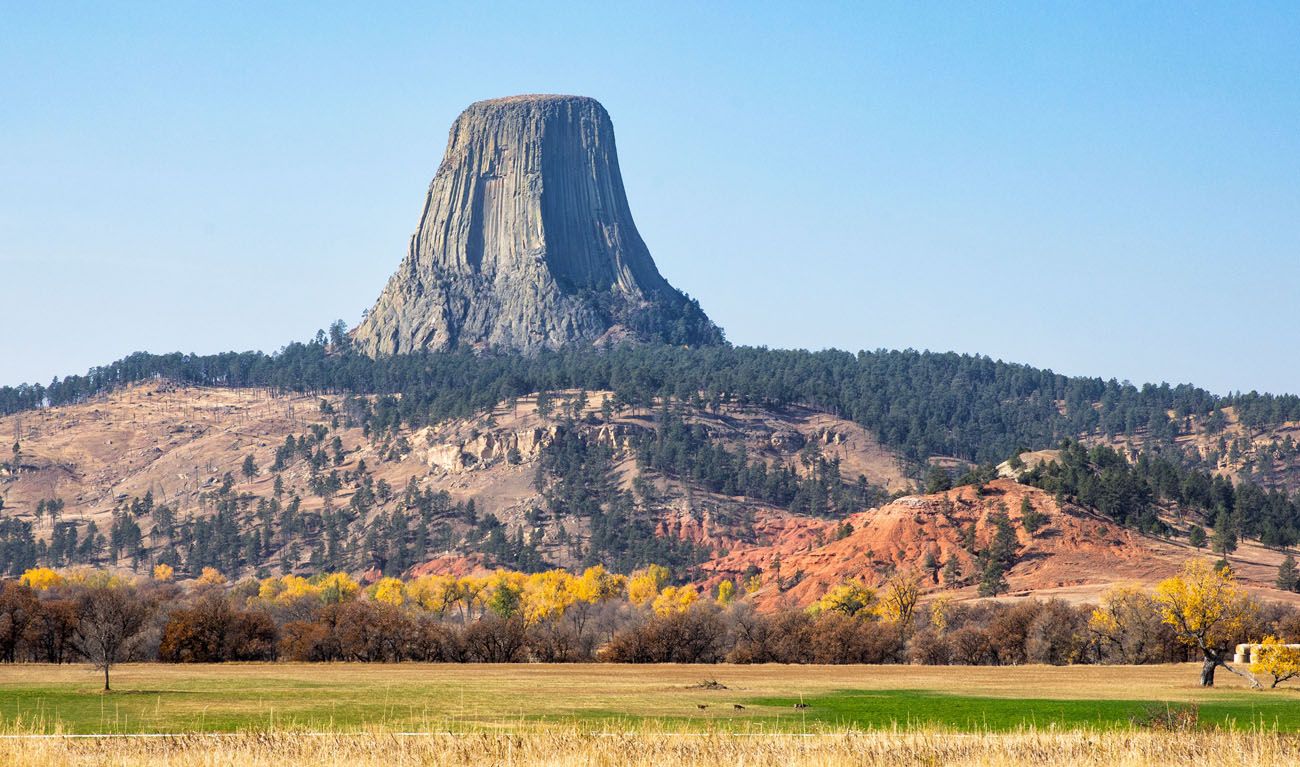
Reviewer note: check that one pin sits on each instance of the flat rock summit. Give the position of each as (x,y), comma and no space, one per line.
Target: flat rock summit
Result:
(526,242)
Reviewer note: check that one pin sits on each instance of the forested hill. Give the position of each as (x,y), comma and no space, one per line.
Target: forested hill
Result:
(921,403)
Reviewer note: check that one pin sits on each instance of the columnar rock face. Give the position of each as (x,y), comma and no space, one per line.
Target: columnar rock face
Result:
(526,243)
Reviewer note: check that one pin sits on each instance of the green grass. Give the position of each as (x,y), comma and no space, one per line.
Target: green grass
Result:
(414,697)
(871,709)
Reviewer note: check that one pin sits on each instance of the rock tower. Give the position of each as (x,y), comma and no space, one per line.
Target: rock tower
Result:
(526,242)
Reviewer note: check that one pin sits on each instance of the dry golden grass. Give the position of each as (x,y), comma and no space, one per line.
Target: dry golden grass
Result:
(568,746)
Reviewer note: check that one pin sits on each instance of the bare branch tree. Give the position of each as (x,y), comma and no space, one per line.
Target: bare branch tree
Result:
(111,624)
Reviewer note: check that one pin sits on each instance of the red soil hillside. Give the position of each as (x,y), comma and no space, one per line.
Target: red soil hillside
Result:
(1076,555)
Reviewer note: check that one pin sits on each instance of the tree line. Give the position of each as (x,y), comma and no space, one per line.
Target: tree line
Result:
(921,403)
(555,616)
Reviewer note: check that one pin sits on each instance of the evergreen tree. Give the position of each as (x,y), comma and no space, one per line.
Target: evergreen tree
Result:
(952,574)
(1224,540)
(937,479)
(993,581)
(1287,577)
(1000,555)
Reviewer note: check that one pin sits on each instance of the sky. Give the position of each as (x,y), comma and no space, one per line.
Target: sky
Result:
(1106,189)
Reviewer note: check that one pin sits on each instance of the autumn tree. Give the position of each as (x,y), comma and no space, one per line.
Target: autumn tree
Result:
(41,579)
(110,624)
(1128,626)
(849,598)
(898,601)
(1208,611)
(18,608)
(51,633)
(212,631)
(644,584)
(675,599)
(1278,660)
(390,591)
(726,593)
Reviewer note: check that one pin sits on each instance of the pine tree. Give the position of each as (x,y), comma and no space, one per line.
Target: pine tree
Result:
(937,479)
(1030,518)
(1000,556)
(1224,540)
(952,571)
(994,580)
(1287,577)
(931,565)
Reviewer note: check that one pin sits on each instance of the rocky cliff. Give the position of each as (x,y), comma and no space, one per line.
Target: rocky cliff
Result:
(526,242)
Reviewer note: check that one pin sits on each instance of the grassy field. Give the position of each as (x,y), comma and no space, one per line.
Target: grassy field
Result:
(157,698)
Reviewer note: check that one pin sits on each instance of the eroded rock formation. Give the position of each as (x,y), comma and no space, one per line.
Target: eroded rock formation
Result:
(526,242)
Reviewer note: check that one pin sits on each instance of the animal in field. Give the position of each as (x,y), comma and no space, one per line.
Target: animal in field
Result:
(801,705)
(701,706)
(737,706)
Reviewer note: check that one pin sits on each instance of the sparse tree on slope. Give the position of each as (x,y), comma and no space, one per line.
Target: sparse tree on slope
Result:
(1287,578)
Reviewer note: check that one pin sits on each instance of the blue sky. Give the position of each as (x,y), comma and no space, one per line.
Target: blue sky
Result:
(1104,189)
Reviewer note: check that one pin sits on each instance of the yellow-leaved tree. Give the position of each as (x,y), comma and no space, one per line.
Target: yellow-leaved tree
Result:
(726,593)
(269,588)
(435,593)
(390,591)
(295,587)
(473,592)
(1277,660)
(675,599)
(851,598)
(548,595)
(644,585)
(1207,610)
(92,578)
(596,585)
(940,611)
(163,572)
(1129,625)
(210,576)
(336,588)
(41,579)
(898,601)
